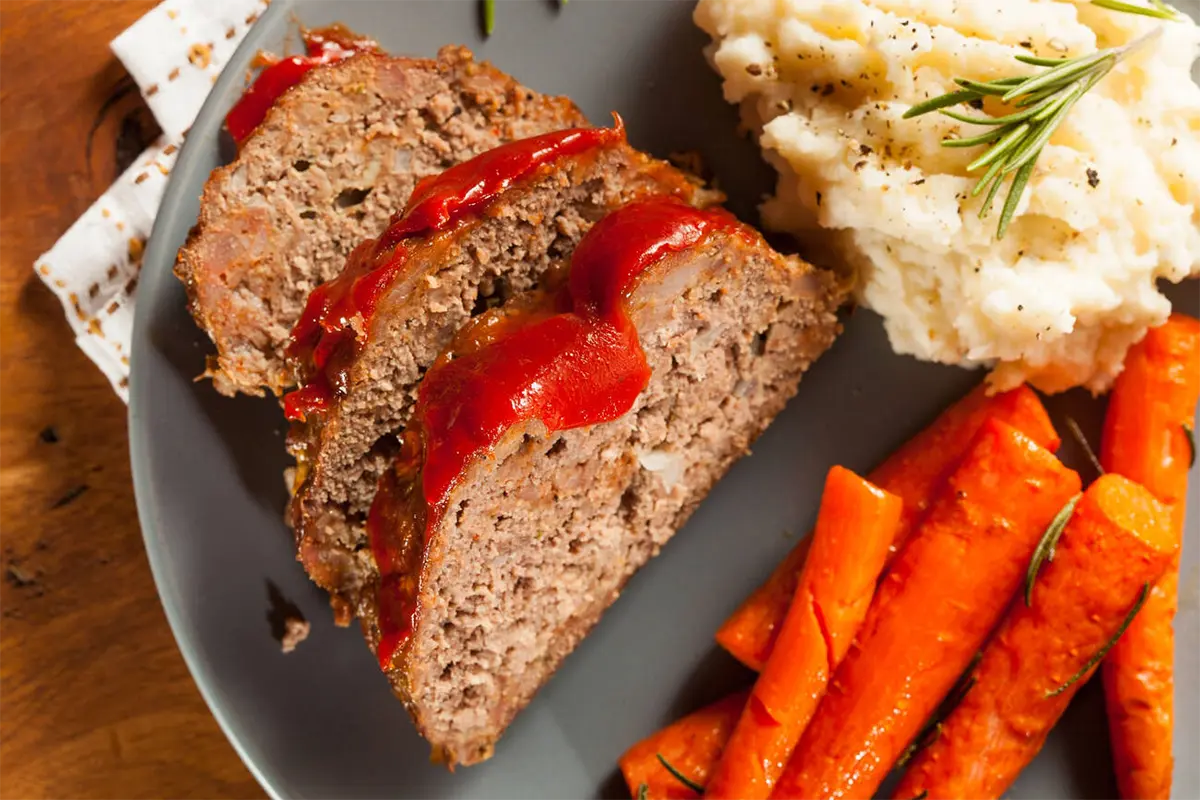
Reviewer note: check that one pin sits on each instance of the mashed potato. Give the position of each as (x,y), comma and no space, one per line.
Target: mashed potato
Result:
(1113,205)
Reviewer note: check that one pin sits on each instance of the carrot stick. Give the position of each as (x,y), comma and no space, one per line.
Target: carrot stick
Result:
(690,745)
(914,473)
(1144,440)
(1118,542)
(944,592)
(855,528)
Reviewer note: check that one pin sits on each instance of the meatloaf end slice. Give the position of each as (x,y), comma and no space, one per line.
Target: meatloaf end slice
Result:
(335,156)
(524,235)
(539,536)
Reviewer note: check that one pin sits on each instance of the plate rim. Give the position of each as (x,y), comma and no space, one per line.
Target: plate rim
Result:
(157,266)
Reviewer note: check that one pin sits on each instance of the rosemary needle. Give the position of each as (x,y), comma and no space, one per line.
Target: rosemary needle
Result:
(1191,443)
(1084,444)
(1103,651)
(679,776)
(1158,8)
(1040,102)
(1044,552)
(933,728)
(489,17)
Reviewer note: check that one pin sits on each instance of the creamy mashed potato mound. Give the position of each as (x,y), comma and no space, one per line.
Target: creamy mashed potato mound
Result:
(1113,205)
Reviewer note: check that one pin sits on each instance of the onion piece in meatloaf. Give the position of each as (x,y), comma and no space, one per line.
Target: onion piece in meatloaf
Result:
(335,156)
(548,458)
(362,366)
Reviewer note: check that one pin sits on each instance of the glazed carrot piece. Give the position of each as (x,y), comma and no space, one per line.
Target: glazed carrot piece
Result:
(941,596)
(855,529)
(691,745)
(1145,440)
(914,473)
(1117,543)
(749,633)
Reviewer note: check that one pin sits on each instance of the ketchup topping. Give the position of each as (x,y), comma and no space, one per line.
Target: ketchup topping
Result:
(323,46)
(571,362)
(325,338)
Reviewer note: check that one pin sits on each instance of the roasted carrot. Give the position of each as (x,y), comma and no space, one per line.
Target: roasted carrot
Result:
(855,528)
(749,633)
(1117,543)
(1146,430)
(691,745)
(941,596)
(914,473)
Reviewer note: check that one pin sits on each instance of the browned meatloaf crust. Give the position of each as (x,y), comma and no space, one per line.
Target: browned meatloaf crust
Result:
(527,232)
(539,536)
(334,158)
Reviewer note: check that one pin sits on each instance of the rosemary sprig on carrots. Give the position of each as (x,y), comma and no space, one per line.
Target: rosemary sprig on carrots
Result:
(1119,541)
(1084,444)
(933,727)
(1103,651)
(1044,552)
(679,776)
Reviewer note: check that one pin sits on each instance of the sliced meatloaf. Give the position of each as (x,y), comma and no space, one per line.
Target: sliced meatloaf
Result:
(361,368)
(538,477)
(335,156)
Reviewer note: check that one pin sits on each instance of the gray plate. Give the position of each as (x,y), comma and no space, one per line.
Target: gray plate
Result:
(207,470)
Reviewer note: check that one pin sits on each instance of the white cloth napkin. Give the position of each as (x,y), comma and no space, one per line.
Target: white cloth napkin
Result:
(174,54)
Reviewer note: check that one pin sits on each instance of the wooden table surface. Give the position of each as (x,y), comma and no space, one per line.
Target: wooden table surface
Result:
(95,700)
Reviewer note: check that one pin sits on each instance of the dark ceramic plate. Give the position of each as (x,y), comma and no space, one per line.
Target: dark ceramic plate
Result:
(208,471)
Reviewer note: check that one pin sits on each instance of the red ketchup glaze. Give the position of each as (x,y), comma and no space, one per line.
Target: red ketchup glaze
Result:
(323,46)
(576,363)
(324,338)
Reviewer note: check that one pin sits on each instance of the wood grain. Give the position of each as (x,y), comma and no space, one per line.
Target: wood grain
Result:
(95,700)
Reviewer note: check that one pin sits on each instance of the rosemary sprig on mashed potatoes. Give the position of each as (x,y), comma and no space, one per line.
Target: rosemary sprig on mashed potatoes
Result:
(1112,205)
(1157,8)
(1016,139)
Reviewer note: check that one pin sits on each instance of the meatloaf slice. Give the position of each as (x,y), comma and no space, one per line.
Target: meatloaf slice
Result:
(524,234)
(335,156)
(531,534)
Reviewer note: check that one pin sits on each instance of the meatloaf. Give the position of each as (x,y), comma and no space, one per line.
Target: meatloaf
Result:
(548,459)
(334,157)
(361,367)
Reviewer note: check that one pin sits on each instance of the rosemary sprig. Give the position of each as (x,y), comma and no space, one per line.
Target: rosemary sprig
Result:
(933,727)
(1077,433)
(925,737)
(643,792)
(489,17)
(1103,651)
(1044,552)
(679,776)
(1039,102)
(1190,436)
(1158,9)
